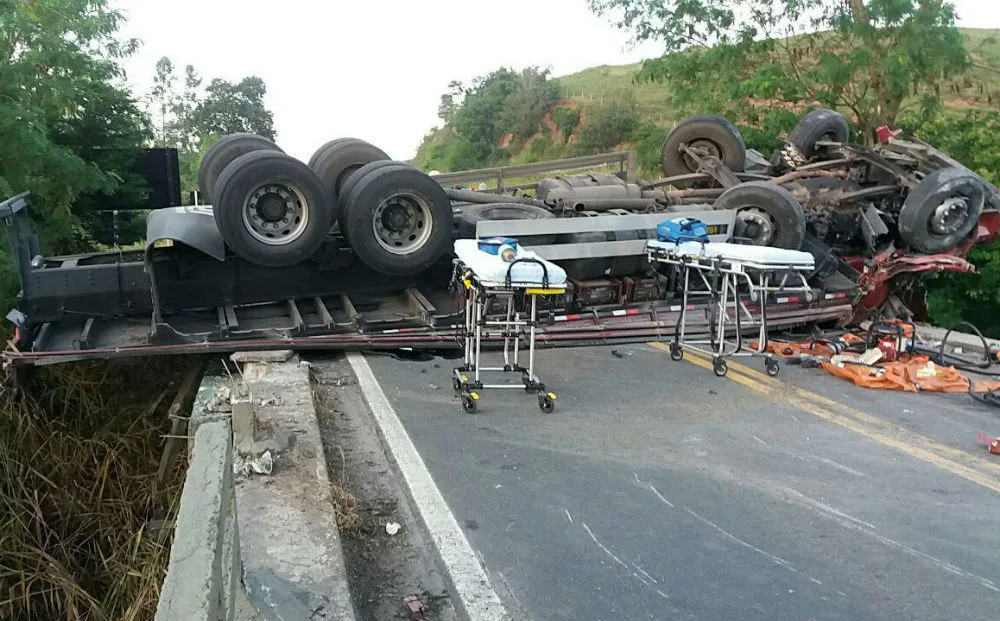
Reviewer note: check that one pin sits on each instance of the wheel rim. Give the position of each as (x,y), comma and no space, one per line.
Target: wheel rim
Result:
(704,148)
(275,213)
(402,223)
(949,216)
(759,226)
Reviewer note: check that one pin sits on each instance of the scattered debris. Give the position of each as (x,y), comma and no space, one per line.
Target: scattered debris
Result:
(992,444)
(620,354)
(418,612)
(263,464)
(220,401)
(272,400)
(391,528)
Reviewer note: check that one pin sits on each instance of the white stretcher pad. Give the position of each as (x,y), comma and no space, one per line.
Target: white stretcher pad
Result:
(491,270)
(757,257)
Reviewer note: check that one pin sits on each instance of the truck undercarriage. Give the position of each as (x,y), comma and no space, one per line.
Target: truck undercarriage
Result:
(203,284)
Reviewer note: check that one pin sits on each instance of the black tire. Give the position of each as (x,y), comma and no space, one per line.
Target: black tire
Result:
(471,214)
(352,180)
(766,213)
(304,204)
(715,133)
(923,228)
(326,145)
(340,160)
(819,125)
(371,223)
(224,151)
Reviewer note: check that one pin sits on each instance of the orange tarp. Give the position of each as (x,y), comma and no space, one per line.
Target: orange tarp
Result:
(911,373)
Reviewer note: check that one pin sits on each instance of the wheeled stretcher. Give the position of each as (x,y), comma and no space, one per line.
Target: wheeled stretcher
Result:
(731,275)
(483,279)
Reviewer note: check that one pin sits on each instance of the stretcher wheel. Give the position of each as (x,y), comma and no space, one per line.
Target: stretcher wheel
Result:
(546,404)
(772,367)
(720,367)
(469,403)
(676,352)
(456,384)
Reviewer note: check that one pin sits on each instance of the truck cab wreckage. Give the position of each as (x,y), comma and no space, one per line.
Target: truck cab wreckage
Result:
(354,250)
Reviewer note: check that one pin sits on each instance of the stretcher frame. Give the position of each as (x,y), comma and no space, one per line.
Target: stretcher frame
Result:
(478,295)
(723,278)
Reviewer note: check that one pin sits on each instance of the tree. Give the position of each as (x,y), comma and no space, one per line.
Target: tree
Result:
(164,100)
(523,109)
(67,124)
(229,108)
(868,57)
(450,101)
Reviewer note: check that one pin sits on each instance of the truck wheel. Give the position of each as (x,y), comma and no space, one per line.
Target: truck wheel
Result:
(398,220)
(326,145)
(471,214)
(817,126)
(224,151)
(766,213)
(271,209)
(352,180)
(710,134)
(942,210)
(337,162)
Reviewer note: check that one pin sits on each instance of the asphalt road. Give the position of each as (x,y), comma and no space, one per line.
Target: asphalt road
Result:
(658,491)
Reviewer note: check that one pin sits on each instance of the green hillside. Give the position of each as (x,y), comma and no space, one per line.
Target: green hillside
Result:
(590,89)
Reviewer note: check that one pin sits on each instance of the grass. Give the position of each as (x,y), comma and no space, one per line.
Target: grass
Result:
(79,452)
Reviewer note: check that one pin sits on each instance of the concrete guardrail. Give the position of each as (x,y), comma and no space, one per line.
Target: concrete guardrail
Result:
(204,578)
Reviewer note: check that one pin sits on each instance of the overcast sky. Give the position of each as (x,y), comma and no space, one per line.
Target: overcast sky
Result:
(375,69)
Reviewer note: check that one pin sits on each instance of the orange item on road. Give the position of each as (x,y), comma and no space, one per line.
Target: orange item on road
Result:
(909,373)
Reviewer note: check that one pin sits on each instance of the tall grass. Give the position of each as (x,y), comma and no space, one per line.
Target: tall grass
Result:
(79,452)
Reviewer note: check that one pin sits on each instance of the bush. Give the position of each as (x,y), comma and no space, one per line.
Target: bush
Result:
(609,125)
(648,139)
(539,150)
(566,119)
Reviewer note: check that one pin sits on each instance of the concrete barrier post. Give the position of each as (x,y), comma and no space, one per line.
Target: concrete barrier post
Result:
(203,580)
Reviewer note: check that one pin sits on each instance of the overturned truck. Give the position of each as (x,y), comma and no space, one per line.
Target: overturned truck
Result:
(353,250)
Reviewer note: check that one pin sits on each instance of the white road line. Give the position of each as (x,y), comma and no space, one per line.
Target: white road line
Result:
(472,586)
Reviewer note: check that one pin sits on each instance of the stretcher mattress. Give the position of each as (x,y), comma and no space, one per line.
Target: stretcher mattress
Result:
(761,257)
(491,270)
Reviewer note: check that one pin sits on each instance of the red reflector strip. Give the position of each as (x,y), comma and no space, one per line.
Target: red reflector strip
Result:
(789,300)
(566,317)
(624,312)
(834,296)
(400,330)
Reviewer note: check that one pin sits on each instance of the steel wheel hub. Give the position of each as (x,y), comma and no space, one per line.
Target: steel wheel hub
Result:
(704,148)
(275,214)
(759,226)
(402,223)
(949,216)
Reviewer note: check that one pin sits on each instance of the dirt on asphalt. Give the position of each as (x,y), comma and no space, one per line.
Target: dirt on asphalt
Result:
(383,569)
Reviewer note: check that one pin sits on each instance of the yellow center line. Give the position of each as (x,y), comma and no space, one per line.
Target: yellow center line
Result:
(950,459)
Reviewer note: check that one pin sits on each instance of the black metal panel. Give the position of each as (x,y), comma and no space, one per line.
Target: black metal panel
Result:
(102,285)
(188,279)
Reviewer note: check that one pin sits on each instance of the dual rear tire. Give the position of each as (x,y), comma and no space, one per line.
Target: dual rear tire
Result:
(276,211)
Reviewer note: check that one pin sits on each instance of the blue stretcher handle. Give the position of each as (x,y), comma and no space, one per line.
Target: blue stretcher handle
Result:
(545,271)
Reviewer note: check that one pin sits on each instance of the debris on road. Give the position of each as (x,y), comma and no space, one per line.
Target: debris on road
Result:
(263,464)
(992,444)
(391,528)
(416,607)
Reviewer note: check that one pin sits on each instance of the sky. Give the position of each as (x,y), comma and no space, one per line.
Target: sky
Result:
(375,69)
